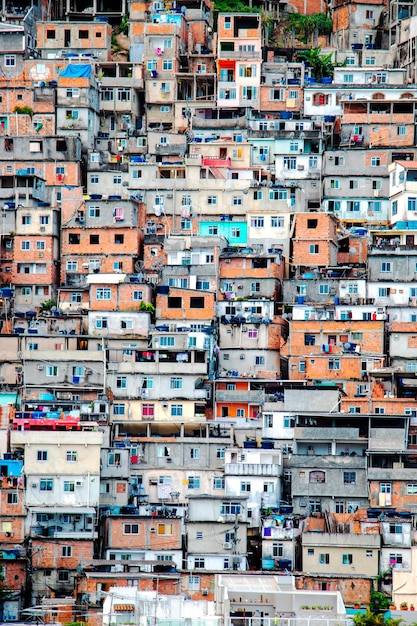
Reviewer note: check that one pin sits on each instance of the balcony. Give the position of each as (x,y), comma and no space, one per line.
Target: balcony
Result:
(252,469)
(216,162)
(239,396)
(240,54)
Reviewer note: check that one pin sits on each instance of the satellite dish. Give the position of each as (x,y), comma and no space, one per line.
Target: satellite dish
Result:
(246,191)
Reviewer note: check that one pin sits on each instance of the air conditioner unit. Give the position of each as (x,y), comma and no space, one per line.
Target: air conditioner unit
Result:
(204,592)
(228,545)
(153,481)
(40,255)
(170,195)
(227,260)
(85,266)
(9,244)
(78,483)
(164,405)
(34,485)
(331,158)
(300,167)
(40,366)
(152,529)
(169,460)
(88,372)
(242,357)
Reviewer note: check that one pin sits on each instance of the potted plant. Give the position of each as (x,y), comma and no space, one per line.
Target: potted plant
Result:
(411,607)
(392,607)
(356,605)
(403,606)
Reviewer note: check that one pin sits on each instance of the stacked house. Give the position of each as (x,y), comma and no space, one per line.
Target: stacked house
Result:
(208,313)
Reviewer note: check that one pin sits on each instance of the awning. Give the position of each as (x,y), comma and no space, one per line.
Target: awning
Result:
(124,607)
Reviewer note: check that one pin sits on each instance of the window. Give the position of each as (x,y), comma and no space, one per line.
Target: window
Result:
(194,482)
(314,248)
(276,94)
(103,293)
(176,410)
(10,60)
(334,183)
(167,65)
(252,333)
(69,486)
(334,364)
(412,204)
(118,409)
(245,487)
(317,476)
(121,382)
(290,163)
(349,478)
(123,94)
(167,341)
(278,194)
(42,455)
(199,562)
(13,498)
(277,221)
(148,410)
(237,201)
(350,60)
(46,484)
(113,458)
(101,322)
(72,456)
(94,179)
(401,131)
(72,266)
(131,529)
(268,420)
(268,487)
(230,508)
(395,529)
(66,551)
(347,559)
(194,453)
(324,290)
(137,295)
(385,487)
(324,558)
(193,583)
(257,221)
(26,220)
(212,200)
(259,359)
(339,506)
(386,266)
(218,482)
(175,382)
(52,370)
(197,302)
(375,161)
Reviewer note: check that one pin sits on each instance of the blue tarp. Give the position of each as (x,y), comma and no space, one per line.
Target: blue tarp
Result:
(76,71)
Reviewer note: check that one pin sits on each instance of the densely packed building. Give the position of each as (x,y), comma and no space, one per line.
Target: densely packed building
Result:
(208,324)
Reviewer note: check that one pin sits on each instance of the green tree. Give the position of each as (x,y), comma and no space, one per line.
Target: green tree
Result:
(322,65)
(375,619)
(379,602)
(307,26)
